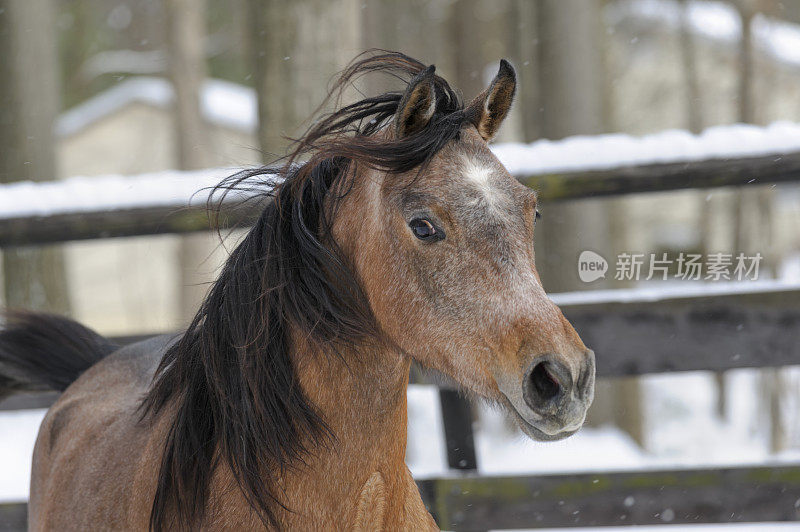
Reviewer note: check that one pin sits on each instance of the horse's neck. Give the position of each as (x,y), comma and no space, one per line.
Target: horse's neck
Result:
(362,397)
(361,477)
(360,480)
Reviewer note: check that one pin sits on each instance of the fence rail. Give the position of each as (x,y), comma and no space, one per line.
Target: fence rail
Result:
(746,494)
(682,496)
(625,180)
(151,220)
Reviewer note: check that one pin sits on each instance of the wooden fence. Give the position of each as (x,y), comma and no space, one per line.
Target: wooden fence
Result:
(633,332)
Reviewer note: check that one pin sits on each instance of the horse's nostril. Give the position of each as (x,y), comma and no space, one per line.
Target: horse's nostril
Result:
(545,385)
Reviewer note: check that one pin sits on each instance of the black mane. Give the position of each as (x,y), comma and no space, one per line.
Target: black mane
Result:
(231,377)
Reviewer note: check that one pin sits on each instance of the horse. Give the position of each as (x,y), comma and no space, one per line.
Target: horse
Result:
(390,233)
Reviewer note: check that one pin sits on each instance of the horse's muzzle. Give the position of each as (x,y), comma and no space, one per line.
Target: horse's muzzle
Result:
(557,396)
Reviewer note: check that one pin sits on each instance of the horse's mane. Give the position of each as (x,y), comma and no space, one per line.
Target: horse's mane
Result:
(230,378)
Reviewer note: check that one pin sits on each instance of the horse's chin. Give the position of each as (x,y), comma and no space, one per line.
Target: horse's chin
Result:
(532,431)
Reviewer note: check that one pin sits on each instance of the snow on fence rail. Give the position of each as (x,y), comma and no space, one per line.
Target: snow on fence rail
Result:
(578,167)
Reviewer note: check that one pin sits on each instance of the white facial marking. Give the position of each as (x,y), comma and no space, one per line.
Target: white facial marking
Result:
(479,175)
(476,173)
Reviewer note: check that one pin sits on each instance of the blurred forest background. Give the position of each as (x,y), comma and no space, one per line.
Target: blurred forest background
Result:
(92,87)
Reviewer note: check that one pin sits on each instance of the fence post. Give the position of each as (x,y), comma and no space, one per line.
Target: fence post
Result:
(458,436)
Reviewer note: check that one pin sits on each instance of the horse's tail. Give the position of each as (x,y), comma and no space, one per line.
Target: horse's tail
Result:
(45,352)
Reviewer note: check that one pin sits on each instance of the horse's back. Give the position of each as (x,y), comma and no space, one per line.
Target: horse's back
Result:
(94,463)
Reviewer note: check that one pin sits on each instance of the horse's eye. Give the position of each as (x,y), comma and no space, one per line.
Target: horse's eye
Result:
(425,230)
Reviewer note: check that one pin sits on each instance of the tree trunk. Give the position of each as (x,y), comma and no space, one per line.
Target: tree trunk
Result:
(694,122)
(741,213)
(750,214)
(185,25)
(475,61)
(691,81)
(297,47)
(572,96)
(469,51)
(746,115)
(571,92)
(419,28)
(34,278)
(187,71)
(523,31)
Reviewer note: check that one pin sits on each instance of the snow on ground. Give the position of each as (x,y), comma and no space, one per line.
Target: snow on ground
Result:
(682,430)
(789,271)
(17,436)
(502,450)
(426,448)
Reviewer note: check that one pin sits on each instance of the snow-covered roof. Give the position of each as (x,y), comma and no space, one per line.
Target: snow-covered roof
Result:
(582,153)
(715,20)
(222,103)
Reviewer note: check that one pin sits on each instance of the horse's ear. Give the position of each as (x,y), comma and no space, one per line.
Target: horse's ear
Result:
(417,105)
(488,110)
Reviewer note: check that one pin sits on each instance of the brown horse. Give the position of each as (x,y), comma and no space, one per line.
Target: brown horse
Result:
(390,234)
